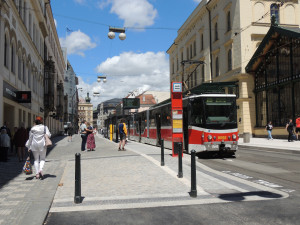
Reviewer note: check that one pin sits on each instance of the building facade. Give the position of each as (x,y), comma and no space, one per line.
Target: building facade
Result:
(85,110)
(31,61)
(71,94)
(275,67)
(223,36)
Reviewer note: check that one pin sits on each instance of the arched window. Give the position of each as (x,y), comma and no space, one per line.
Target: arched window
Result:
(13,60)
(24,74)
(202,42)
(275,12)
(228,21)
(29,77)
(5,51)
(19,68)
(229,60)
(216,32)
(217,66)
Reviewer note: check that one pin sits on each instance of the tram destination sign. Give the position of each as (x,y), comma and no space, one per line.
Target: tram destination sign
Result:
(131,103)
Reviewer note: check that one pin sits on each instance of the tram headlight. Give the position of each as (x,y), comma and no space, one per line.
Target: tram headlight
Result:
(234,137)
(209,137)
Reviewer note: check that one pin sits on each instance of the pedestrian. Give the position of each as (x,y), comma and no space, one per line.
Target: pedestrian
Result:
(269,128)
(298,127)
(90,138)
(122,133)
(6,127)
(20,138)
(290,127)
(36,145)
(4,145)
(70,132)
(13,141)
(83,135)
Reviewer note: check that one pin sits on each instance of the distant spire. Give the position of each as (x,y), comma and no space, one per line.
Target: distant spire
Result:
(88,99)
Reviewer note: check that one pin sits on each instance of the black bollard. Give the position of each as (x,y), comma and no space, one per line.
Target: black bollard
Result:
(77,197)
(180,174)
(193,192)
(162,161)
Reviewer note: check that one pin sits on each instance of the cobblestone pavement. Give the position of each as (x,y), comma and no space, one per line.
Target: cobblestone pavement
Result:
(114,179)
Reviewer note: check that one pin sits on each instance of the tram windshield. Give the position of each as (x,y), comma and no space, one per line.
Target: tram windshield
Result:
(214,112)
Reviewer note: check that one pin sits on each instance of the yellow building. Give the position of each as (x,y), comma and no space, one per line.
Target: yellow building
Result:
(224,35)
(85,110)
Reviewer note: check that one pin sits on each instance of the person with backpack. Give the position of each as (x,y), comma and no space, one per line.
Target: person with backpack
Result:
(122,132)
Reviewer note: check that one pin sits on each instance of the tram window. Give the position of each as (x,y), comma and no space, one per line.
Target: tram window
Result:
(196,112)
(220,110)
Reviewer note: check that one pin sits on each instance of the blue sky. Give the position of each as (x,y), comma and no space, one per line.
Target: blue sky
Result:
(138,63)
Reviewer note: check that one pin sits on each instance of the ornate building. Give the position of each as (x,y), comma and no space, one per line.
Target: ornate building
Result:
(31,65)
(217,41)
(85,110)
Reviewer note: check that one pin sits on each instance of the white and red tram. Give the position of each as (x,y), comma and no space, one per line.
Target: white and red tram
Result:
(209,124)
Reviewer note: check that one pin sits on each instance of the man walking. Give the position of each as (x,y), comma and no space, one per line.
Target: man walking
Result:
(122,133)
(83,134)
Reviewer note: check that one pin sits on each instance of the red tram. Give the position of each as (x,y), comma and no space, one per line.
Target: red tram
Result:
(209,124)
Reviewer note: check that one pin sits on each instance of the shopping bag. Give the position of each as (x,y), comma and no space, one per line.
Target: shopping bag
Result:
(27,168)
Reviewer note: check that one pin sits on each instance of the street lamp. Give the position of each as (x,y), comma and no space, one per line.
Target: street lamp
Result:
(103,78)
(183,62)
(112,30)
(96,94)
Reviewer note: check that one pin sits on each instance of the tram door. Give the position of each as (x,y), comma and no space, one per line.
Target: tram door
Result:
(186,129)
(158,129)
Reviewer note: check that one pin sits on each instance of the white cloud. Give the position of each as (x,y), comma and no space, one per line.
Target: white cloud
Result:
(55,22)
(77,42)
(135,13)
(128,72)
(197,1)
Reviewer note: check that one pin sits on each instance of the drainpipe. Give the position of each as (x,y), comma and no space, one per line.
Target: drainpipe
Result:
(210,44)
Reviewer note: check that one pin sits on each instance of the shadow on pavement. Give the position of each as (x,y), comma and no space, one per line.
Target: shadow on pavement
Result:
(237,197)
(13,168)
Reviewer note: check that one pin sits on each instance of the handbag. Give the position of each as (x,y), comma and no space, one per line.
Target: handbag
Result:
(27,168)
(48,142)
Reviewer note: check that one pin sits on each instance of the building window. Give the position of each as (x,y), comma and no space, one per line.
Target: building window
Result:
(5,52)
(216,32)
(187,53)
(202,42)
(29,77)
(217,66)
(191,51)
(229,58)
(195,47)
(19,68)
(275,12)
(13,62)
(24,74)
(228,21)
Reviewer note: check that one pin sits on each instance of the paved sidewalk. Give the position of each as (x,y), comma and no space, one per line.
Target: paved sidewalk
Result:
(114,179)
(275,143)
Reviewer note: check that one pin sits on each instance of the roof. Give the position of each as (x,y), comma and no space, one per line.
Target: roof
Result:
(273,33)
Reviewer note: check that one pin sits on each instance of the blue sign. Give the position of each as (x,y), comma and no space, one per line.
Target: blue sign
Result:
(177,87)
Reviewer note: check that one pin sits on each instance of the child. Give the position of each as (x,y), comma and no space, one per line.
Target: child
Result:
(4,145)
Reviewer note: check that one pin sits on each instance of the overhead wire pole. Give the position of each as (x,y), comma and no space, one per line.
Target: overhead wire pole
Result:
(183,62)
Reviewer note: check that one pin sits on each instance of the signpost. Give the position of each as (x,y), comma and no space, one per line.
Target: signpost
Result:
(177,117)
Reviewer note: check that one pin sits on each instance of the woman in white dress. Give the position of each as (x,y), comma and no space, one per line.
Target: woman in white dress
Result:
(36,144)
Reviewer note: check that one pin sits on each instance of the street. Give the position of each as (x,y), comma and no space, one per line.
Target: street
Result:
(276,170)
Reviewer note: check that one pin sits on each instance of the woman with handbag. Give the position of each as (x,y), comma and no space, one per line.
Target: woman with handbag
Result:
(37,144)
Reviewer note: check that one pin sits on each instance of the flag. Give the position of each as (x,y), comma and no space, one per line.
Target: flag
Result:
(69,30)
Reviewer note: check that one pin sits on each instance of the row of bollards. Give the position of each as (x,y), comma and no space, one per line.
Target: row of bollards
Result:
(193,192)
